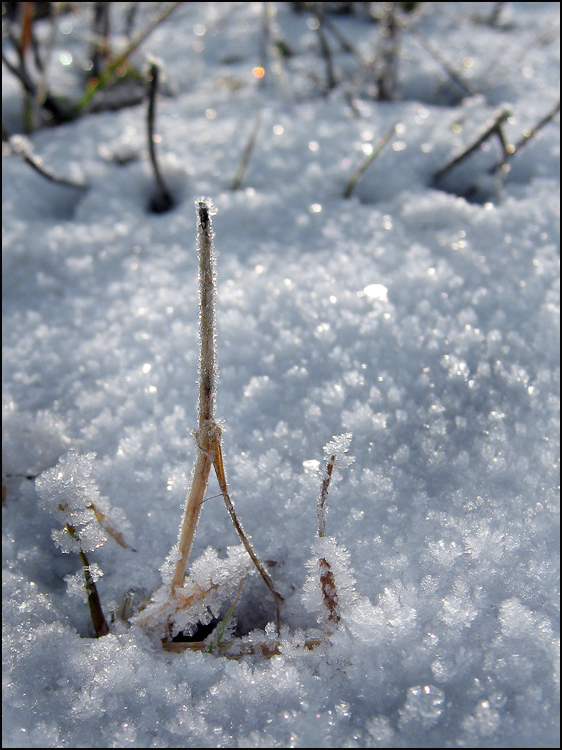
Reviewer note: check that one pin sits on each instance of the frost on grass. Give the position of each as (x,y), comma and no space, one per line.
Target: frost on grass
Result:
(75,581)
(337,447)
(70,493)
(341,589)
(212,581)
(330,584)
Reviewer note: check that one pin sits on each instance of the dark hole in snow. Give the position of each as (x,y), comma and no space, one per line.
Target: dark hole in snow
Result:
(161,201)
(202,632)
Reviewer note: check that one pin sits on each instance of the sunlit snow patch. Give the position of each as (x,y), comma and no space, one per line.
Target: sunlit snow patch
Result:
(376,291)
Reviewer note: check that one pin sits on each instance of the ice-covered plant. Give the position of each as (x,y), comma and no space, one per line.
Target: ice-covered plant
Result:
(70,493)
(329,573)
(173,606)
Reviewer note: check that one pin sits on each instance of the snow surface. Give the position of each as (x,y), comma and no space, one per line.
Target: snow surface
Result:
(424,324)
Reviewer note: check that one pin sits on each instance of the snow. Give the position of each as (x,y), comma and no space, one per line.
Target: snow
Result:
(423,319)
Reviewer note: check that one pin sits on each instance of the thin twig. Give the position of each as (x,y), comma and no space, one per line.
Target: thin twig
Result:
(502,168)
(241,171)
(327,580)
(344,43)
(20,147)
(46,100)
(431,49)
(235,650)
(269,47)
(100,41)
(388,78)
(112,69)
(162,201)
(99,622)
(529,134)
(493,128)
(372,156)
(318,11)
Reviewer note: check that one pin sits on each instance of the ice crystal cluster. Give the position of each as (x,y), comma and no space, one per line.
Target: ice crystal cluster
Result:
(70,493)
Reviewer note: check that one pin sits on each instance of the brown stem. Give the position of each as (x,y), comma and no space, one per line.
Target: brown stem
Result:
(96,613)
(207,384)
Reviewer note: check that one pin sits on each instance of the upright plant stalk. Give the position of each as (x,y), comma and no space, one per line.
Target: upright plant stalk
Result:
(207,306)
(208,434)
(162,201)
(327,580)
(207,384)
(388,77)
(96,613)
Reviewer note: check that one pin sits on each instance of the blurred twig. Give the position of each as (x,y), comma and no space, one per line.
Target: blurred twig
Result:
(317,10)
(270,47)
(372,156)
(388,77)
(112,70)
(455,76)
(100,47)
(162,201)
(493,128)
(529,134)
(241,171)
(20,146)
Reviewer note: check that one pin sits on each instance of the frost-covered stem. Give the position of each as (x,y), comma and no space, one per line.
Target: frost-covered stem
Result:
(191,517)
(207,304)
(207,385)
(236,650)
(327,580)
(96,613)
(329,591)
(324,496)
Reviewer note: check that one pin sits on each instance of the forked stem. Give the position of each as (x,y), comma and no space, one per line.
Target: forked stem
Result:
(209,433)
(207,385)
(210,442)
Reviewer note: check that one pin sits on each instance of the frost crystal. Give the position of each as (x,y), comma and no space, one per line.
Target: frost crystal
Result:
(67,490)
(338,447)
(70,493)
(211,582)
(342,587)
(75,581)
